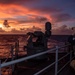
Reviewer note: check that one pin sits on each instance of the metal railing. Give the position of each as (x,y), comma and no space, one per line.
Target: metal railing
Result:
(13,62)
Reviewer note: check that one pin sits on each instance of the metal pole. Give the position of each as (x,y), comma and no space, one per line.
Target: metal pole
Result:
(71,52)
(26,58)
(0,67)
(16,48)
(12,58)
(70,55)
(56,59)
(44,69)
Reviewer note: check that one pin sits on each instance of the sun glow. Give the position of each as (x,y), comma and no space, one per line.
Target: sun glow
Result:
(1,26)
(5,28)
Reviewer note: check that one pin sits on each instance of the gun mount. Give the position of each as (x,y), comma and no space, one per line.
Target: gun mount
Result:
(37,41)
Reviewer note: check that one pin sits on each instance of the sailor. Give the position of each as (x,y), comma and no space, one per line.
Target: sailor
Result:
(71,40)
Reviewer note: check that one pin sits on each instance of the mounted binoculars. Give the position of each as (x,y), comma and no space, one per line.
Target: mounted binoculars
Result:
(40,44)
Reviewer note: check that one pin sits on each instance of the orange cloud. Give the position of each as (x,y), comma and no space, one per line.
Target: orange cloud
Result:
(20,16)
(12,10)
(7,11)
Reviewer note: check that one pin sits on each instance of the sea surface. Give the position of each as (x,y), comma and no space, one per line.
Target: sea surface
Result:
(6,41)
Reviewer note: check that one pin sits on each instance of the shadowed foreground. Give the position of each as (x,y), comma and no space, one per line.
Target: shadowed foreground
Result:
(30,67)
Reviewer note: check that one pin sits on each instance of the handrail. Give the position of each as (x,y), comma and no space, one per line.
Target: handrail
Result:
(25,58)
(64,46)
(65,65)
(35,55)
(29,57)
(45,68)
(64,56)
(56,63)
(6,59)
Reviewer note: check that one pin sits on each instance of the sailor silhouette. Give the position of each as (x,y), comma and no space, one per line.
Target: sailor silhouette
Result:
(71,39)
(72,63)
(5,23)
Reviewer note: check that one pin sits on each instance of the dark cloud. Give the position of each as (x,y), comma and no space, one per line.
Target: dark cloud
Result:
(48,10)
(57,9)
(33,20)
(61,17)
(62,30)
(26,19)
(15,1)
(14,31)
(37,5)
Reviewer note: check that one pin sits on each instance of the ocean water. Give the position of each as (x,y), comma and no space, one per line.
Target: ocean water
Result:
(6,41)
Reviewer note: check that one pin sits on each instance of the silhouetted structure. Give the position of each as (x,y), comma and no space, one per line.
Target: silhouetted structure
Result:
(40,44)
(48,29)
(71,40)
(5,23)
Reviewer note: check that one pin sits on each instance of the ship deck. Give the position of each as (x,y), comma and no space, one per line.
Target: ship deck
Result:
(32,66)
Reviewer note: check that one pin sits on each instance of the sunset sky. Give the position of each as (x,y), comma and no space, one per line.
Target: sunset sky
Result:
(29,13)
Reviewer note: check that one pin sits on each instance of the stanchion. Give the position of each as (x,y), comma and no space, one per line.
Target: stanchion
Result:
(12,58)
(56,59)
(16,54)
(70,56)
(16,48)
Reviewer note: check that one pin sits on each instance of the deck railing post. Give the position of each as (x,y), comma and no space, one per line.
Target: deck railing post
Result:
(0,67)
(56,59)
(12,57)
(70,55)
(16,48)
